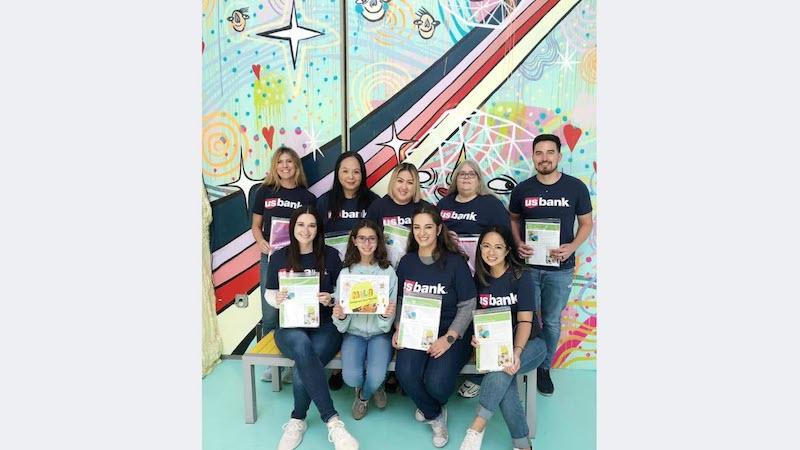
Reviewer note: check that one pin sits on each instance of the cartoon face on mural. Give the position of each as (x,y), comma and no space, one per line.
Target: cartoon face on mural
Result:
(373,10)
(426,24)
(238,19)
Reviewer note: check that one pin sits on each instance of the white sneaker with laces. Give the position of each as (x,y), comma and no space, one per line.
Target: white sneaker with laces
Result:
(419,416)
(468,389)
(292,434)
(472,440)
(439,427)
(341,439)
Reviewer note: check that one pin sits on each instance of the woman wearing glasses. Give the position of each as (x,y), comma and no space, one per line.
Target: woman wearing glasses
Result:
(469,207)
(367,341)
(503,280)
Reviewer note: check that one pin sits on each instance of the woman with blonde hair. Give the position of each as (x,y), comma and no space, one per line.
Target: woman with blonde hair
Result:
(284,190)
(404,196)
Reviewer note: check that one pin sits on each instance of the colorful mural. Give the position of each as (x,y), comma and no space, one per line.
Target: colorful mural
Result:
(429,81)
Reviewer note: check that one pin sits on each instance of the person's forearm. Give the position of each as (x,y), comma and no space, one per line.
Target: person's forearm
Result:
(270,295)
(583,233)
(463,317)
(515,231)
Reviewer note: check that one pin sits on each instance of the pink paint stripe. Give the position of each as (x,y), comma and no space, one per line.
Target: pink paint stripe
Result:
(237,265)
(231,249)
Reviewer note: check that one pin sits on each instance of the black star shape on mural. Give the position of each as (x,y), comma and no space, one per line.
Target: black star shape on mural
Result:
(293,33)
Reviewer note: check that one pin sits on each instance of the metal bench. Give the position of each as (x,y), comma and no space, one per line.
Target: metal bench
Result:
(266,353)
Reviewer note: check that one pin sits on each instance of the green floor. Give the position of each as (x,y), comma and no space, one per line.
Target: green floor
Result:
(566,421)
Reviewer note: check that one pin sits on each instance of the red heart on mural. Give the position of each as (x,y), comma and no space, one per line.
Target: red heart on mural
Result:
(572,134)
(257,70)
(268,133)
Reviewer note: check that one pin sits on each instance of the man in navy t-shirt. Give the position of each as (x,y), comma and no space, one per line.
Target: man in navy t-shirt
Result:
(551,195)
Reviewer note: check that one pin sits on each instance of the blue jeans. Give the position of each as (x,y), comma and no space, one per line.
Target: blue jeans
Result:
(430,381)
(269,315)
(311,349)
(499,389)
(375,351)
(551,290)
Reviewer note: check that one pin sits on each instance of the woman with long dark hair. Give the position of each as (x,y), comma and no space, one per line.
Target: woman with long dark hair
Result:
(435,264)
(285,189)
(310,348)
(503,280)
(349,199)
(367,341)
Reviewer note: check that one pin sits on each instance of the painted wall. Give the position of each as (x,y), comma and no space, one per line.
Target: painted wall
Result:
(430,81)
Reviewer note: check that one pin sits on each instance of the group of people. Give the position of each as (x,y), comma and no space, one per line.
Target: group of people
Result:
(434,262)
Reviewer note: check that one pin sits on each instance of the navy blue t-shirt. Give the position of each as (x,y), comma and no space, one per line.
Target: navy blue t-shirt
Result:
(281,203)
(453,282)
(473,216)
(333,265)
(507,291)
(565,199)
(385,211)
(349,214)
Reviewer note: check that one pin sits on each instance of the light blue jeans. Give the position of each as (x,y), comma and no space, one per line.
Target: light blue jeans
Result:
(499,390)
(269,314)
(373,354)
(551,290)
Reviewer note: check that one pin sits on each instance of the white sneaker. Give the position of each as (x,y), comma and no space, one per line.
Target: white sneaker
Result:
(292,434)
(468,389)
(419,416)
(286,375)
(342,440)
(267,375)
(439,427)
(472,441)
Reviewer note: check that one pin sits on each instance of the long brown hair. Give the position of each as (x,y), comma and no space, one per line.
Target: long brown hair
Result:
(293,250)
(353,256)
(512,259)
(444,243)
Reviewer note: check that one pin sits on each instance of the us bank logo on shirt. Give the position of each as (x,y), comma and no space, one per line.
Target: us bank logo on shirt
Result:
(452,215)
(351,214)
(533,202)
(397,220)
(275,202)
(487,300)
(413,286)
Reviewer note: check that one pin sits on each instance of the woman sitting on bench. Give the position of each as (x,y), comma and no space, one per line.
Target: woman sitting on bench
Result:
(310,348)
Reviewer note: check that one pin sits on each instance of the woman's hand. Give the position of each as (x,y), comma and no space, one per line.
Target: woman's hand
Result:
(390,310)
(394,341)
(513,367)
(475,343)
(439,347)
(338,312)
(280,297)
(263,245)
(325,298)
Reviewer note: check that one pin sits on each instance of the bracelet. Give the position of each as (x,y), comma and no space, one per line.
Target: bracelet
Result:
(517,346)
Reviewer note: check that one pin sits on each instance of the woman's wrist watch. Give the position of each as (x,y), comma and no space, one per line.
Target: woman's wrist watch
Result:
(450,338)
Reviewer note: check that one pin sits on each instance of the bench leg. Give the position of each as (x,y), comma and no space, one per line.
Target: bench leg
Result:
(276,378)
(249,393)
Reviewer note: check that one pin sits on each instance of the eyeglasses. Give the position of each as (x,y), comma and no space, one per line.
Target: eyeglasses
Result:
(497,248)
(365,239)
(467,175)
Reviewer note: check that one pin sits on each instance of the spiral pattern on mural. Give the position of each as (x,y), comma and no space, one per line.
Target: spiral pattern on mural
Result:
(588,67)
(379,82)
(223,141)
(396,27)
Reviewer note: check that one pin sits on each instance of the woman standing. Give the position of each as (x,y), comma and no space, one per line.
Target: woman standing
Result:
(500,274)
(434,263)
(284,190)
(310,348)
(367,340)
(349,199)
(396,207)
(469,207)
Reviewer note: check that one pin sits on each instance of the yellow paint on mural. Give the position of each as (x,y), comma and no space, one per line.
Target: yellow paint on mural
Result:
(269,96)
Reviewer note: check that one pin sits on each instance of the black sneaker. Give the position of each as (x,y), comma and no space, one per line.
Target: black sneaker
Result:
(335,382)
(543,382)
(391,386)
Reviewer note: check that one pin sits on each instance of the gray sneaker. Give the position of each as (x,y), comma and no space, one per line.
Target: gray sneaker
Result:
(286,375)
(359,406)
(439,427)
(380,398)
